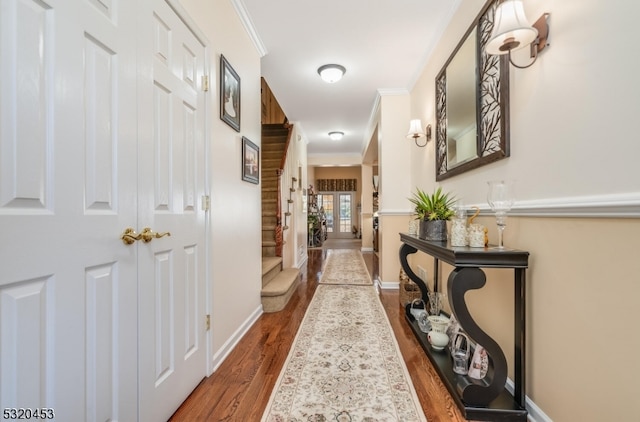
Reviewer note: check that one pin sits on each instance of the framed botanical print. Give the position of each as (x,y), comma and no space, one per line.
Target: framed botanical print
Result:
(229,94)
(250,161)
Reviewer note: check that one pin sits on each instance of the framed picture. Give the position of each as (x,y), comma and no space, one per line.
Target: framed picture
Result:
(229,94)
(250,161)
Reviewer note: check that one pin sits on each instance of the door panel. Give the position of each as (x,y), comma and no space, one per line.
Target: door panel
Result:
(171,181)
(68,289)
(78,164)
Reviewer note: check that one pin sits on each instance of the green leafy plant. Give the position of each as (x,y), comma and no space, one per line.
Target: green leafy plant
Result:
(435,206)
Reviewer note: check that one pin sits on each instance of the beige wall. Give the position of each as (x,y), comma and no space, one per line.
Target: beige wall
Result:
(569,111)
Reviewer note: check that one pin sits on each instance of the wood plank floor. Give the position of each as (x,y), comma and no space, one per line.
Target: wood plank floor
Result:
(240,389)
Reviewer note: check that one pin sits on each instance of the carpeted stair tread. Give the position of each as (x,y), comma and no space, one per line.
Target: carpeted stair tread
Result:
(270,262)
(281,283)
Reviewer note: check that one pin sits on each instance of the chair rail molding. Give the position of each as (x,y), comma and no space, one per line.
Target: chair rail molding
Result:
(618,205)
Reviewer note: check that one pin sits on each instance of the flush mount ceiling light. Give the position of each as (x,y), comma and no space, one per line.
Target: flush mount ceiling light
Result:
(331,73)
(336,136)
(511,31)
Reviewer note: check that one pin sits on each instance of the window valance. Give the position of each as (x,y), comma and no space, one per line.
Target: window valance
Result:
(336,185)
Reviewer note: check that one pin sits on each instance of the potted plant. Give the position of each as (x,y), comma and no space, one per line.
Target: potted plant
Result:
(433,211)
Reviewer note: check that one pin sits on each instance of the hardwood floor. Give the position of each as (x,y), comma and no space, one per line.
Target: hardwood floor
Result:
(240,389)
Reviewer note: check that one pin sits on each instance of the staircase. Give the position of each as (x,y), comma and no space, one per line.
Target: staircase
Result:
(278,284)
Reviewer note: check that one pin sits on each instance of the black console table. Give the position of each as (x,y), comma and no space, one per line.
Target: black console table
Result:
(487,399)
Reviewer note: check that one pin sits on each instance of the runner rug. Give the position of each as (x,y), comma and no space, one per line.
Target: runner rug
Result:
(344,364)
(345,266)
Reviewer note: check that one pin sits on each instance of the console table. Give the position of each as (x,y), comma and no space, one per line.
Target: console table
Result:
(487,399)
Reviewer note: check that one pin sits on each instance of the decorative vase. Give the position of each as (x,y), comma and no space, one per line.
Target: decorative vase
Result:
(438,340)
(435,230)
(438,337)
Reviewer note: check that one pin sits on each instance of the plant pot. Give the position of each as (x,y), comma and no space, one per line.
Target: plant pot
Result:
(433,230)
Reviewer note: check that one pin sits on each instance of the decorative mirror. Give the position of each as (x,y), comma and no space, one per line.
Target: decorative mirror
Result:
(472,103)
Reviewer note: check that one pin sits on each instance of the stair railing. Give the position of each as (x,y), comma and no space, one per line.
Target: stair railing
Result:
(278,229)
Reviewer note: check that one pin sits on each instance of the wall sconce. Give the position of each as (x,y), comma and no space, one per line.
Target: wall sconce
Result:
(511,31)
(415,132)
(331,73)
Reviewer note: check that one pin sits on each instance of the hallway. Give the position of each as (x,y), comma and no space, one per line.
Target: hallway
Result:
(240,389)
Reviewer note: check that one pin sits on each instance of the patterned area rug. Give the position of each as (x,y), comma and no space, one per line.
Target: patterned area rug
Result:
(345,266)
(344,365)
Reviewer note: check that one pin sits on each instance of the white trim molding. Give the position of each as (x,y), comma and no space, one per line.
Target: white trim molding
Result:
(245,18)
(535,413)
(233,341)
(617,205)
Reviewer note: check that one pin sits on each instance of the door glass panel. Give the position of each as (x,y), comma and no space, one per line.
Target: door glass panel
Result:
(325,202)
(345,212)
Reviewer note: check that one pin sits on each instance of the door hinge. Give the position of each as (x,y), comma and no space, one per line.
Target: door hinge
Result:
(206,202)
(205,83)
(208,322)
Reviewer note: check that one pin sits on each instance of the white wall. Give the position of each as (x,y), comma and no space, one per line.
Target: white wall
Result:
(235,204)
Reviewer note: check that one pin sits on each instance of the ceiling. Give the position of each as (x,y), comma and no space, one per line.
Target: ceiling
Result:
(383,44)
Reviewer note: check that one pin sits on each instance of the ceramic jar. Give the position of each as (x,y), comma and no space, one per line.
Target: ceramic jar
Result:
(438,340)
(476,236)
(438,337)
(459,228)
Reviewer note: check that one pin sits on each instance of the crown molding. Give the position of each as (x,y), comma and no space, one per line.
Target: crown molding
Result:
(245,18)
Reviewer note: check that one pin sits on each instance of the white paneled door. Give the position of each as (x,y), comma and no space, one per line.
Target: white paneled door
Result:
(101,128)
(171,269)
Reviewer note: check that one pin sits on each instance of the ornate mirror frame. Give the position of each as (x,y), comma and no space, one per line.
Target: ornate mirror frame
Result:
(492,102)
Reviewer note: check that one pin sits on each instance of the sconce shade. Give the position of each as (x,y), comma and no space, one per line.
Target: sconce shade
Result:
(336,136)
(331,73)
(511,30)
(415,129)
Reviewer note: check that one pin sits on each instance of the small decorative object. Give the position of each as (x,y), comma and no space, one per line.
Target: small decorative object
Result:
(413,227)
(250,161)
(229,95)
(435,302)
(459,227)
(479,363)
(452,329)
(437,336)
(476,236)
(460,353)
(433,212)
(501,199)
(423,322)
(417,307)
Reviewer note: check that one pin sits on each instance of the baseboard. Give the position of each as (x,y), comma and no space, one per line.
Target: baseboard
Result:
(232,342)
(387,285)
(303,262)
(535,413)
(366,249)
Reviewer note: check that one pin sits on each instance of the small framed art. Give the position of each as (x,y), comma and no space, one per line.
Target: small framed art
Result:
(229,94)
(250,161)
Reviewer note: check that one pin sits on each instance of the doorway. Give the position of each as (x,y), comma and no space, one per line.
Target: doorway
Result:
(339,212)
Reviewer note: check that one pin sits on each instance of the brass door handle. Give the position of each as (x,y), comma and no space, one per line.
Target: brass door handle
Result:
(148,235)
(130,236)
